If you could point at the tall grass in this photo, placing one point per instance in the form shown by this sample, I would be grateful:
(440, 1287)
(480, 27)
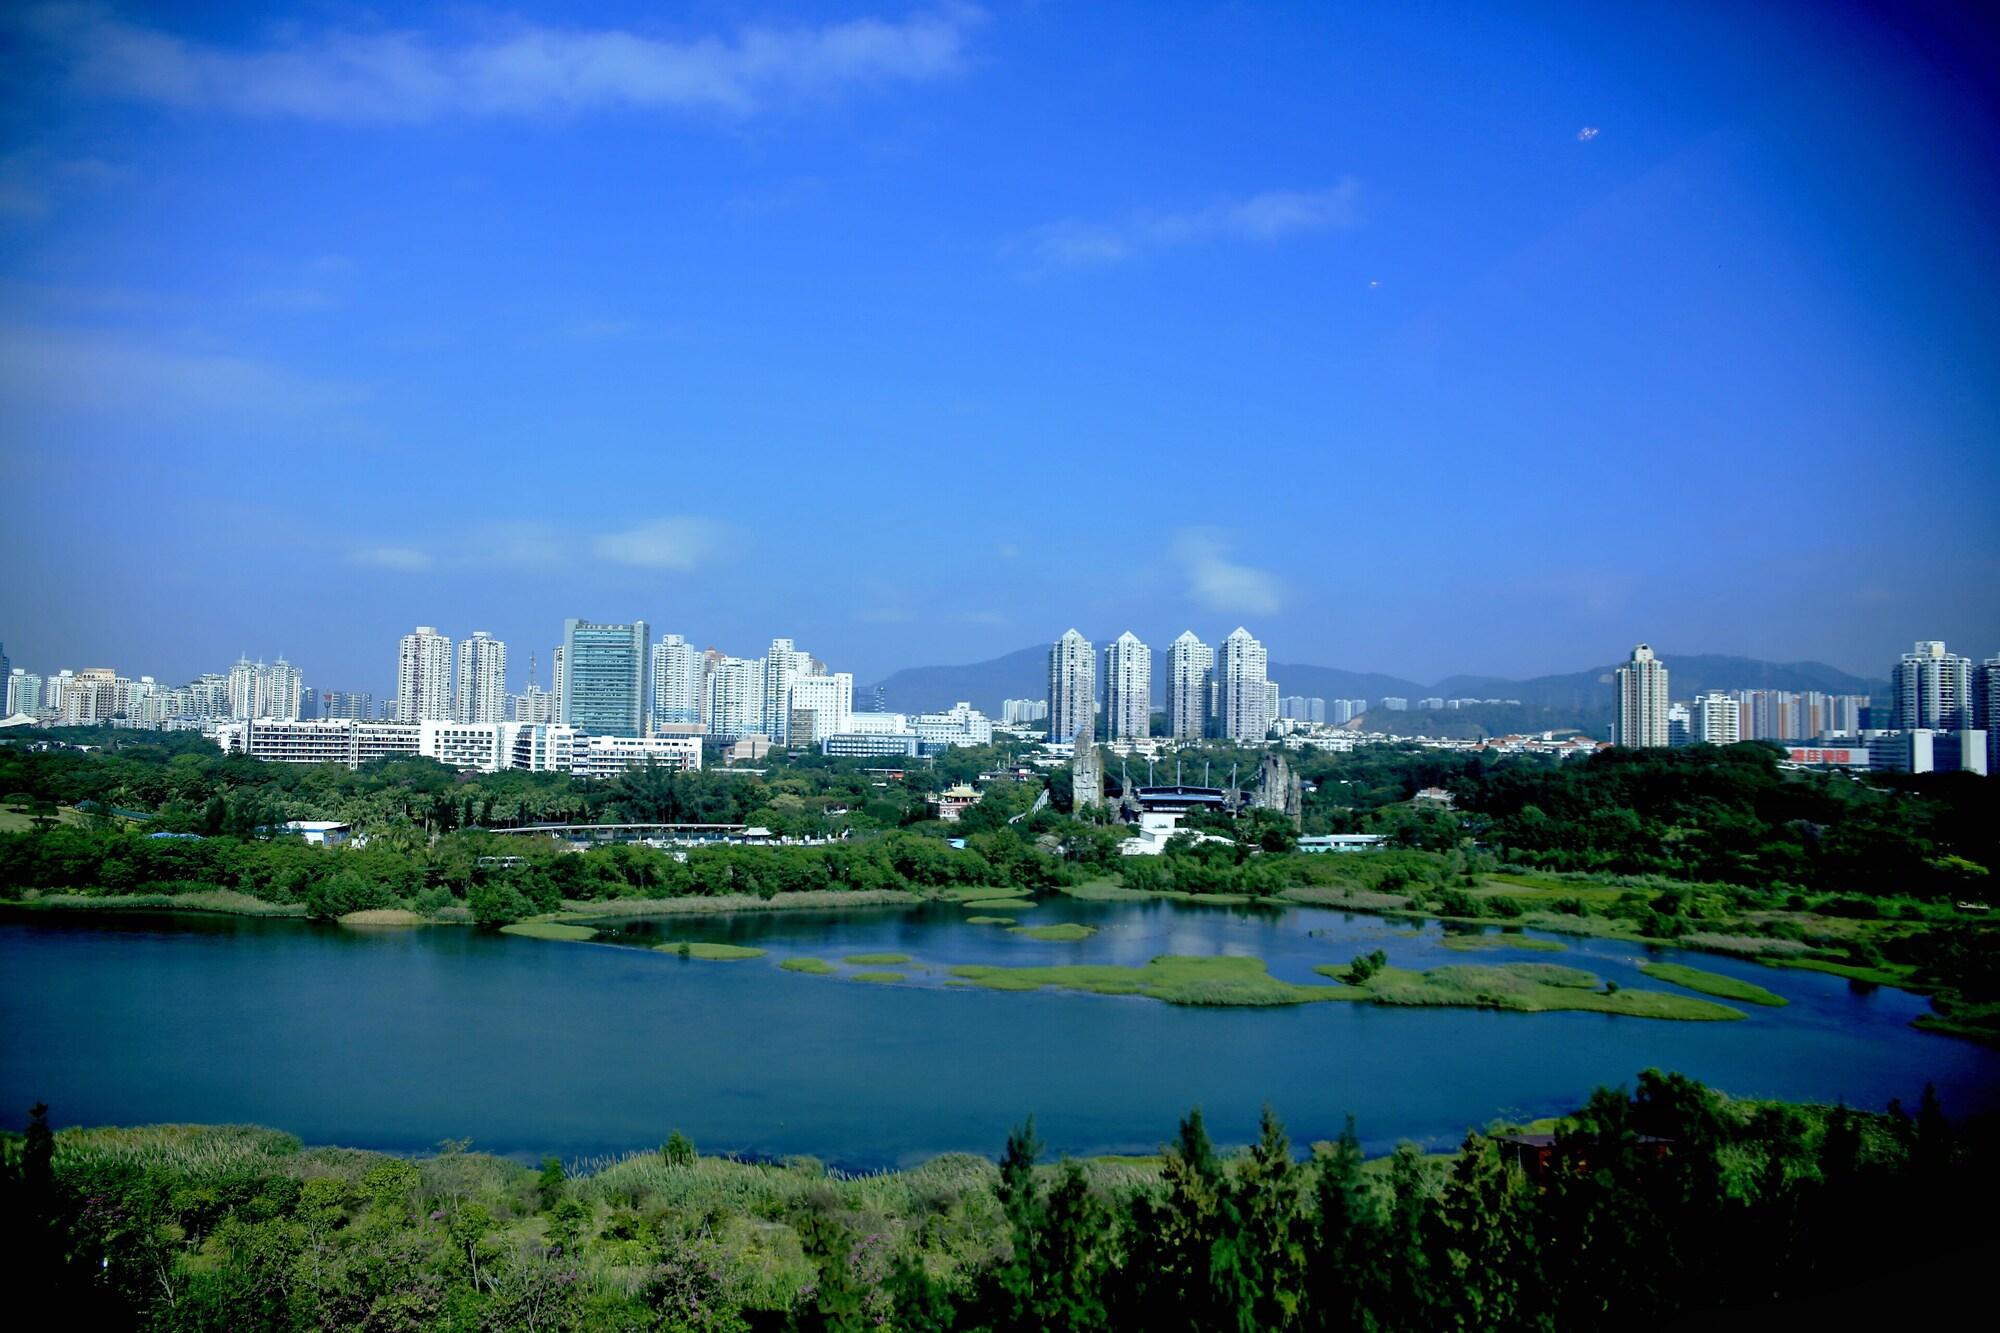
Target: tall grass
(199, 1152)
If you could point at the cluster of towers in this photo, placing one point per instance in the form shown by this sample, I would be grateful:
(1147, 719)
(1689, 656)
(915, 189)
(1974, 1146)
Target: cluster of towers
(1221, 692)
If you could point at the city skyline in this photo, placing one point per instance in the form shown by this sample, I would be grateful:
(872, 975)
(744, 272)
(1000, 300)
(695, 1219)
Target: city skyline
(619, 701)
(1422, 356)
(430, 652)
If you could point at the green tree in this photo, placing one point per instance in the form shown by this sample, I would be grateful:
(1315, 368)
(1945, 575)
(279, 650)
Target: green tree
(1345, 1255)
(550, 1184)
(678, 1150)
(836, 1300)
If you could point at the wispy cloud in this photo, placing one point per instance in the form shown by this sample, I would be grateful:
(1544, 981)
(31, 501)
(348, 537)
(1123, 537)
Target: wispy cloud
(390, 557)
(1219, 583)
(1260, 218)
(45, 372)
(31, 181)
(399, 75)
(679, 543)
(596, 330)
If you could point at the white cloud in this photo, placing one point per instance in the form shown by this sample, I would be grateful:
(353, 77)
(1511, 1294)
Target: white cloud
(676, 543)
(47, 372)
(390, 557)
(1260, 218)
(398, 75)
(1219, 583)
(679, 543)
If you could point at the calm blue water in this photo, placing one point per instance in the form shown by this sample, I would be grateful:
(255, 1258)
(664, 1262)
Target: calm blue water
(396, 1039)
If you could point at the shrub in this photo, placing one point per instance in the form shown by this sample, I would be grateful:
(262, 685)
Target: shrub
(1455, 902)
(1365, 966)
(343, 892)
(494, 903)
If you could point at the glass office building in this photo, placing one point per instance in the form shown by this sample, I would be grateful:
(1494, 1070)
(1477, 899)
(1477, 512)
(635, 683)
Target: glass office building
(604, 677)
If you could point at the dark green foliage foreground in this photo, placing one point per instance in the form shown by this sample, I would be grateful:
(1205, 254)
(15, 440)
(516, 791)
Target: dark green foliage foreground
(1664, 1205)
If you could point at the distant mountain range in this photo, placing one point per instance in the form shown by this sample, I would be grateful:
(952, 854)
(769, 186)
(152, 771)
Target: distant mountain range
(1587, 695)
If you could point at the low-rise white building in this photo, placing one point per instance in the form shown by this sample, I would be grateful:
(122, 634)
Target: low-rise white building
(1341, 842)
(870, 744)
(1155, 829)
(609, 756)
(329, 741)
(486, 747)
(961, 724)
(319, 832)
(474, 745)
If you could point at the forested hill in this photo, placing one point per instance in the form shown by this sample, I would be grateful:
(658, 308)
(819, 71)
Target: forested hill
(1581, 697)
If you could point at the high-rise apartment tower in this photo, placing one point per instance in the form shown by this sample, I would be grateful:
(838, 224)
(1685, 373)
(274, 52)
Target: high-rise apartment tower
(1242, 697)
(1128, 688)
(1191, 666)
(1933, 689)
(482, 679)
(1642, 701)
(423, 677)
(1072, 689)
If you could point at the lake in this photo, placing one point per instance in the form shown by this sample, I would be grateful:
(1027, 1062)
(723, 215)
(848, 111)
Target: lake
(396, 1039)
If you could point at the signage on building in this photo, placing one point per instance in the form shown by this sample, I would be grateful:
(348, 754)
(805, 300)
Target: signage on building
(1817, 755)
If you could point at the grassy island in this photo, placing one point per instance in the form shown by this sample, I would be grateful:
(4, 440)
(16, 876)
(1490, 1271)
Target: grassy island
(1481, 943)
(1066, 933)
(549, 930)
(714, 953)
(1712, 983)
(1530, 988)
(1231, 981)
(1177, 980)
(816, 967)
(875, 976)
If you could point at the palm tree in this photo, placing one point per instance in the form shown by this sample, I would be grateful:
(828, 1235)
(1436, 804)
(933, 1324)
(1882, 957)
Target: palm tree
(647, 795)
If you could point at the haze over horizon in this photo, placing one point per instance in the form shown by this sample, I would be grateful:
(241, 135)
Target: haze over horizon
(1420, 343)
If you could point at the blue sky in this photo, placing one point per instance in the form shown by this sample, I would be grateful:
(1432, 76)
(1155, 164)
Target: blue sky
(1419, 338)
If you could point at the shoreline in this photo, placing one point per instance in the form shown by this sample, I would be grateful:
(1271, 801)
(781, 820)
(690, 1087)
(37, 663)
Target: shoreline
(616, 909)
(1388, 906)
(228, 902)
